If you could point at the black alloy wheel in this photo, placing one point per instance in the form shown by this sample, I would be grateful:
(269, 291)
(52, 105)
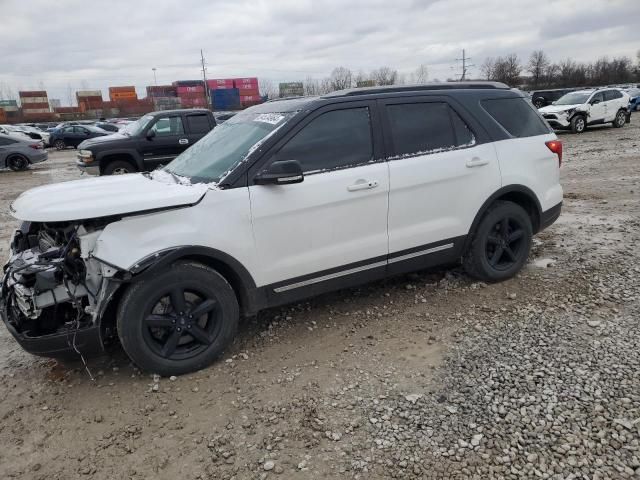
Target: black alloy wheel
(17, 163)
(182, 324)
(505, 243)
(59, 144)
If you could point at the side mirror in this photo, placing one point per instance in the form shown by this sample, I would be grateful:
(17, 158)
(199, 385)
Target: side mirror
(280, 173)
(594, 101)
(151, 133)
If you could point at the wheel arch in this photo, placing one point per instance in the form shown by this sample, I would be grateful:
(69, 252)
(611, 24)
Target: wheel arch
(111, 156)
(518, 194)
(249, 296)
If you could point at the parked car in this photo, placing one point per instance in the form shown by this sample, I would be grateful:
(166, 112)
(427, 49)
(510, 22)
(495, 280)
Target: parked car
(285, 200)
(577, 110)
(107, 127)
(155, 139)
(35, 134)
(18, 152)
(74, 135)
(634, 99)
(12, 130)
(542, 98)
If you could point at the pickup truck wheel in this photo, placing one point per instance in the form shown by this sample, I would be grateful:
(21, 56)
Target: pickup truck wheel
(578, 124)
(179, 320)
(119, 167)
(59, 144)
(17, 163)
(620, 120)
(501, 243)
(538, 103)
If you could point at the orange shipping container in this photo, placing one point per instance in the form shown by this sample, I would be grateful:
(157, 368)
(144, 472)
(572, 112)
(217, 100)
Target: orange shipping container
(122, 95)
(121, 89)
(3, 116)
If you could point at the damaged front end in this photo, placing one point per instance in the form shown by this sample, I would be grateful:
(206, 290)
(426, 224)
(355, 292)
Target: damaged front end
(53, 293)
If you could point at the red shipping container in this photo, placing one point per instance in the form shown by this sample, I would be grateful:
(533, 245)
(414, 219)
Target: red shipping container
(193, 102)
(182, 90)
(244, 90)
(220, 83)
(250, 81)
(191, 95)
(32, 93)
(33, 106)
(250, 98)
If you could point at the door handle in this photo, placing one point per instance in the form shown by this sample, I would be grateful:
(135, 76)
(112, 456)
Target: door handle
(476, 162)
(183, 141)
(363, 184)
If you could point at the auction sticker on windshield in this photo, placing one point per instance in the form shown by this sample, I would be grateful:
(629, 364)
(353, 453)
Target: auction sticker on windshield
(272, 118)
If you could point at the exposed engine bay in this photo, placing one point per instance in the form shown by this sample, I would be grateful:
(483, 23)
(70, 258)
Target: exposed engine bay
(51, 284)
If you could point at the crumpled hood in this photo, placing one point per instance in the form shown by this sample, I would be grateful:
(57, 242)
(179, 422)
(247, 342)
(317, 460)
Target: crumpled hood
(102, 197)
(557, 108)
(106, 138)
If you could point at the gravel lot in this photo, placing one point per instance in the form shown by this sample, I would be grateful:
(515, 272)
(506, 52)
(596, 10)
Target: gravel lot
(424, 376)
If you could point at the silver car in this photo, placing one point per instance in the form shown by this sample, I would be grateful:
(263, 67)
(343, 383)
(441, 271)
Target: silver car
(18, 152)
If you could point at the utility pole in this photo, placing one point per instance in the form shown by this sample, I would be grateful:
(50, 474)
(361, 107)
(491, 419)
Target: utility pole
(204, 77)
(465, 65)
(155, 80)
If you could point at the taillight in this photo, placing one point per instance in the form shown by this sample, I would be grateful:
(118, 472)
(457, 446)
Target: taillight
(556, 147)
(36, 146)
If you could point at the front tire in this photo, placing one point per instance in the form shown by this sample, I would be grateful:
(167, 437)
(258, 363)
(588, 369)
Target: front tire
(578, 124)
(620, 120)
(501, 243)
(119, 167)
(179, 320)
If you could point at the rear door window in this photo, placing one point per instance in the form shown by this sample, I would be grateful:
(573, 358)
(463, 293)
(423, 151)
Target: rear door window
(611, 95)
(419, 128)
(198, 123)
(516, 116)
(335, 139)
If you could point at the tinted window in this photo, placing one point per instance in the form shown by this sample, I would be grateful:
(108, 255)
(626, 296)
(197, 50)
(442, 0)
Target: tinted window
(168, 126)
(464, 136)
(337, 139)
(198, 123)
(80, 130)
(611, 95)
(68, 129)
(420, 127)
(516, 116)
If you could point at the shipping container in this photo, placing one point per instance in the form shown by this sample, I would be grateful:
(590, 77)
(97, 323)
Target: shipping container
(161, 91)
(188, 83)
(8, 103)
(122, 89)
(249, 82)
(366, 83)
(250, 98)
(35, 106)
(35, 111)
(193, 102)
(67, 110)
(32, 93)
(183, 90)
(249, 91)
(89, 93)
(220, 83)
(3, 116)
(122, 95)
(10, 109)
(29, 100)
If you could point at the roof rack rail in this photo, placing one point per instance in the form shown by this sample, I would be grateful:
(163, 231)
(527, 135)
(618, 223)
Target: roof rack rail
(421, 87)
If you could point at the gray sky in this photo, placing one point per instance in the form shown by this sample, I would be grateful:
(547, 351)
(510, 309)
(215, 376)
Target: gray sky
(97, 44)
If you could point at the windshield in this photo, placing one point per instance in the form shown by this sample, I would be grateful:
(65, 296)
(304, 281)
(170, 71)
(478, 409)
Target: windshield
(226, 146)
(573, 99)
(137, 127)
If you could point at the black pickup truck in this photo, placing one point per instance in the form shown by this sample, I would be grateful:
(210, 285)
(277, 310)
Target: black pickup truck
(155, 139)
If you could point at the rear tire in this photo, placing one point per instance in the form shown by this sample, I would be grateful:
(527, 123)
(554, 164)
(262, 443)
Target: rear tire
(59, 144)
(620, 120)
(538, 103)
(179, 320)
(578, 124)
(500, 244)
(119, 167)
(17, 163)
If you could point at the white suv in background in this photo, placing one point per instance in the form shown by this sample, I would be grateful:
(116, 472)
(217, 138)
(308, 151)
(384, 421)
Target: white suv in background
(577, 110)
(283, 201)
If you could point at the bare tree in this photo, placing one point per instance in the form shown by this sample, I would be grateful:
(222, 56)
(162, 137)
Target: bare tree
(341, 78)
(537, 66)
(384, 76)
(488, 68)
(507, 69)
(268, 88)
(420, 75)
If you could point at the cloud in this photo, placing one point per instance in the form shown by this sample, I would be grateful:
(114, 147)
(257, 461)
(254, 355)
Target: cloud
(118, 42)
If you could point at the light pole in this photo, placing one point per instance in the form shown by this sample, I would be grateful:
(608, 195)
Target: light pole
(155, 80)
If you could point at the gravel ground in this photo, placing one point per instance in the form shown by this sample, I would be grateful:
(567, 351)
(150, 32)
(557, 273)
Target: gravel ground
(429, 375)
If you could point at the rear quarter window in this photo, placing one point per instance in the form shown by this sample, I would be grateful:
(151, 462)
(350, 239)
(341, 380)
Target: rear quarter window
(516, 116)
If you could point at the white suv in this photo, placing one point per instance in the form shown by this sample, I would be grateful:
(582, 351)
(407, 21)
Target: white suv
(283, 201)
(577, 110)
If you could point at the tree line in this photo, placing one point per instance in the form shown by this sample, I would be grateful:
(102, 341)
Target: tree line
(541, 72)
